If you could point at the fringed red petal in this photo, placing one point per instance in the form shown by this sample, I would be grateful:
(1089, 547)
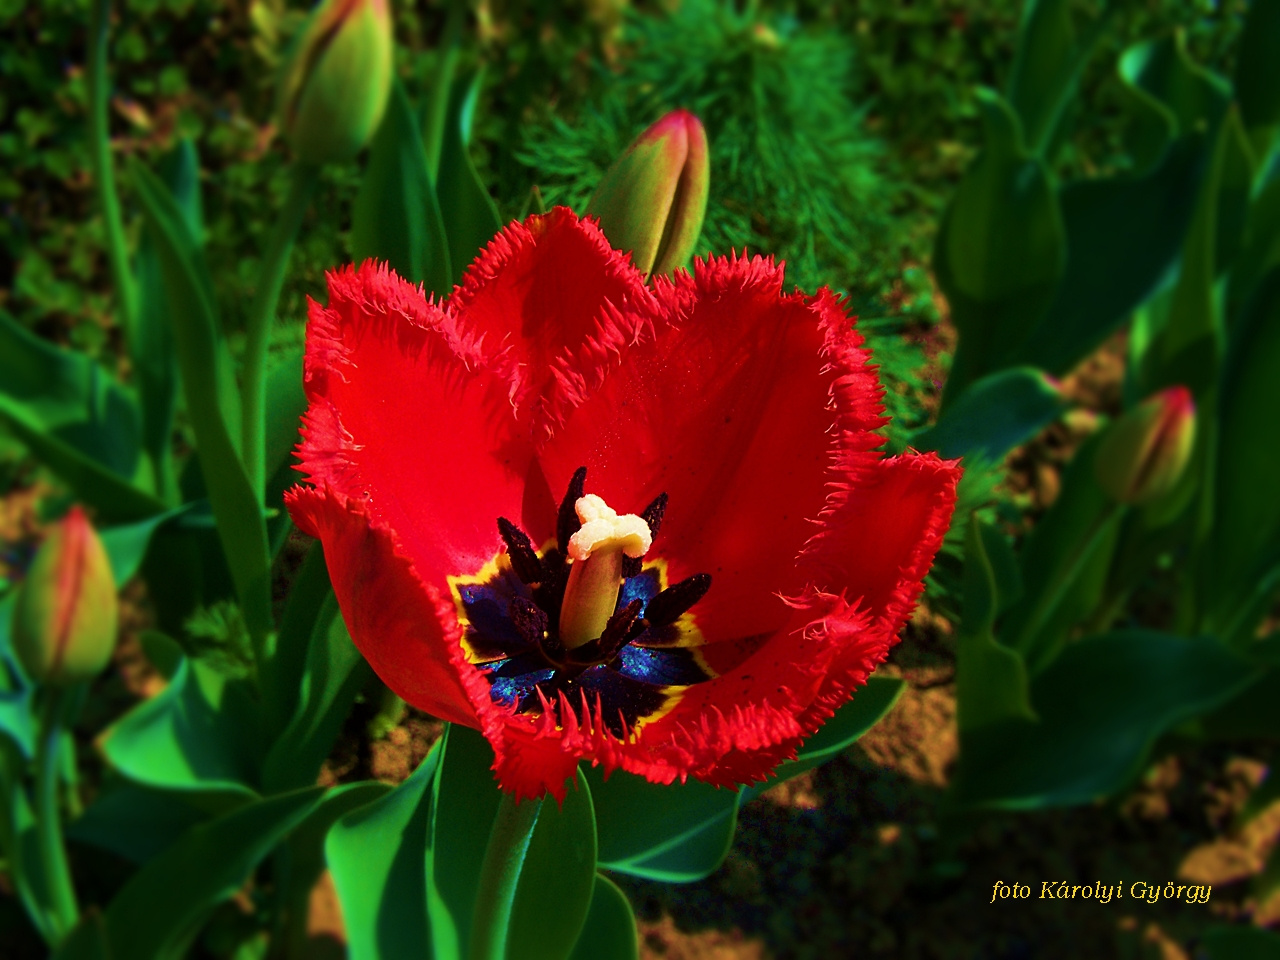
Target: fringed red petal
(405, 629)
(408, 418)
(562, 304)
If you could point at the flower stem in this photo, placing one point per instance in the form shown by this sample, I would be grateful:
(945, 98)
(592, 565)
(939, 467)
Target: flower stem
(261, 312)
(503, 861)
(64, 912)
(103, 173)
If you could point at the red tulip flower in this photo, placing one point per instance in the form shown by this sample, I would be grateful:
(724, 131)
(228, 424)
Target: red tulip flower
(644, 525)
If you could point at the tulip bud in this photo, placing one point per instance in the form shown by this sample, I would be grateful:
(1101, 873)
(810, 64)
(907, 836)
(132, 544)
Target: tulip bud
(337, 80)
(64, 619)
(652, 200)
(1143, 453)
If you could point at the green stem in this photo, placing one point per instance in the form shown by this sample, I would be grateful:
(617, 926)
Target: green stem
(103, 172)
(261, 312)
(499, 874)
(64, 912)
(1051, 599)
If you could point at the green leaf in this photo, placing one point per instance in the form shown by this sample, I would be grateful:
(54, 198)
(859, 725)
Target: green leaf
(1046, 68)
(1064, 563)
(466, 802)
(396, 216)
(470, 216)
(160, 911)
(307, 613)
(1101, 705)
(199, 734)
(842, 729)
(1250, 714)
(610, 930)
(333, 675)
(127, 545)
(88, 941)
(1001, 249)
(1240, 943)
(70, 396)
(286, 403)
(1260, 248)
(151, 341)
(205, 367)
(1192, 98)
(113, 499)
(303, 861)
(16, 719)
(135, 822)
(1188, 350)
(557, 879)
(1257, 79)
(697, 855)
(991, 679)
(636, 819)
(18, 838)
(1122, 235)
(1243, 544)
(379, 857)
(993, 415)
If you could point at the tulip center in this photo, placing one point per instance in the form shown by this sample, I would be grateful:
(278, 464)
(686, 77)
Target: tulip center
(587, 621)
(595, 576)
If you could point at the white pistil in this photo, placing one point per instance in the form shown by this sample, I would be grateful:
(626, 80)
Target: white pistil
(595, 576)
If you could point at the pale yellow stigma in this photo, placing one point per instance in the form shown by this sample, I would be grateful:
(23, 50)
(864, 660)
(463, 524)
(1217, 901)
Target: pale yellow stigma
(595, 576)
(603, 529)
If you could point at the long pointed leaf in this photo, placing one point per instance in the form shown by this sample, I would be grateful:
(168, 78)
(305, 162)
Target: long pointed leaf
(397, 217)
(241, 526)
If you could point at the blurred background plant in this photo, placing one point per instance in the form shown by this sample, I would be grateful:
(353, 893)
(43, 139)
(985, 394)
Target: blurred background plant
(1030, 265)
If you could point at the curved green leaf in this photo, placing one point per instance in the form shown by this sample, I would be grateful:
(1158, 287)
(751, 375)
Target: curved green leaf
(466, 802)
(135, 822)
(993, 415)
(610, 930)
(199, 734)
(379, 857)
(333, 675)
(636, 819)
(991, 679)
(114, 498)
(1122, 235)
(70, 396)
(161, 909)
(557, 878)
(1000, 250)
(1102, 703)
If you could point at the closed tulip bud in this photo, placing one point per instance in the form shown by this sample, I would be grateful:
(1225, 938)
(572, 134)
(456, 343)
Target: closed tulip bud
(652, 200)
(1143, 454)
(337, 79)
(64, 619)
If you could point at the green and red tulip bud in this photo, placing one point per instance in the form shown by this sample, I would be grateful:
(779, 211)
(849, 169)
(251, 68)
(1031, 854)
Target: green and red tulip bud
(1143, 454)
(652, 200)
(337, 79)
(64, 620)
